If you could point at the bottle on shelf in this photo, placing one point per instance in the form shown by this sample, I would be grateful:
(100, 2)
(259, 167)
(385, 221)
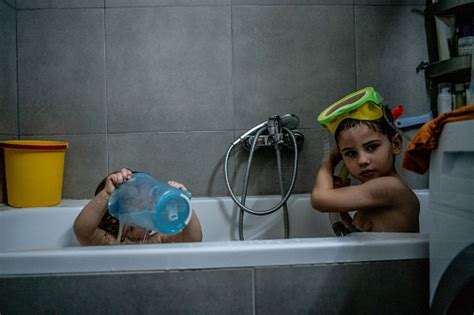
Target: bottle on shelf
(445, 103)
(459, 96)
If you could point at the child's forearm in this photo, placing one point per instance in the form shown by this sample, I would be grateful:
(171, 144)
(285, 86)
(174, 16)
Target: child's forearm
(194, 228)
(323, 183)
(87, 222)
(324, 178)
(191, 233)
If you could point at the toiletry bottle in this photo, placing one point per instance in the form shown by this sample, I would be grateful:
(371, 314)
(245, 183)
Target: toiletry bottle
(459, 96)
(445, 102)
(143, 201)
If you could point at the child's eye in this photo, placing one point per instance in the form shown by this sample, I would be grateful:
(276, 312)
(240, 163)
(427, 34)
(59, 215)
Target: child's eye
(372, 147)
(350, 153)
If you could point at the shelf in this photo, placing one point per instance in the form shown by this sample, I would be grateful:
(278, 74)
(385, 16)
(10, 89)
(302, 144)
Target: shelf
(454, 66)
(451, 7)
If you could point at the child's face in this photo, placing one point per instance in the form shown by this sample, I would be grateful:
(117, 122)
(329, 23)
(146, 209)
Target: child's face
(137, 234)
(367, 153)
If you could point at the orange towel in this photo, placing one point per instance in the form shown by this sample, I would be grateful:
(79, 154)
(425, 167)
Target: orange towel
(417, 155)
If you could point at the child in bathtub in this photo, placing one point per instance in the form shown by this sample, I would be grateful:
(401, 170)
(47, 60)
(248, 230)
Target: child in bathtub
(367, 144)
(95, 226)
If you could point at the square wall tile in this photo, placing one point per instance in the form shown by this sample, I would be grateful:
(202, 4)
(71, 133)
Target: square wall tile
(389, 2)
(172, 292)
(147, 3)
(85, 163)
(390, 43)
(385, 287)
(32, 4)
(169, 69)
(61, 71)
(54, 4)
(192, 158)
(291, 59)
(292, 2)
(8, 82)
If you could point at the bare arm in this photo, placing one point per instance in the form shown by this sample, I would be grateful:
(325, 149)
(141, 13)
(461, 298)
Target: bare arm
(86, 224)
(192, 232)
(324, 180)
(374, 194)
(378, 193)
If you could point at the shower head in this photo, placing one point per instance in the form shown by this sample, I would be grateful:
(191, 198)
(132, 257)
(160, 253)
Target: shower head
(290, 121)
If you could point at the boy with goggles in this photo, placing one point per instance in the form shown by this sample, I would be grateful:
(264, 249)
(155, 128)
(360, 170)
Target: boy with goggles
(367, 143)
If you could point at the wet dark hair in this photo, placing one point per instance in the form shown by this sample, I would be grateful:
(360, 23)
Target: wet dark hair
(383, 124)
(108, 223)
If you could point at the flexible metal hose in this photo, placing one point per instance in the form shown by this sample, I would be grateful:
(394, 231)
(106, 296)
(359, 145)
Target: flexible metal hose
(246, 182)
(286, 220)
(247, 175)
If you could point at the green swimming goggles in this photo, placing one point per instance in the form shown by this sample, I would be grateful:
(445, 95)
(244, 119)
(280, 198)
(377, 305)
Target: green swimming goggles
(365, 104)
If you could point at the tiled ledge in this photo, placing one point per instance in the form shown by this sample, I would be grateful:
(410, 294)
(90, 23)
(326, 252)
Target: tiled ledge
(60, 4)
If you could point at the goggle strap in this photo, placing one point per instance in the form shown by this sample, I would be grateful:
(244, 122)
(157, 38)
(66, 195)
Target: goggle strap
(392, 124)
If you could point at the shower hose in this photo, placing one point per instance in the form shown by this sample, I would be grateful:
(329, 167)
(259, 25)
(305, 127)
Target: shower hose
(284, 195)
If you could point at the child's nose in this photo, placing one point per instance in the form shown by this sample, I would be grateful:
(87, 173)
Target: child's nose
(364, 159)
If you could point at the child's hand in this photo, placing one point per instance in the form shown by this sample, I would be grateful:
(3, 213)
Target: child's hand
(177, 185)
(116, 179)
(335, 156)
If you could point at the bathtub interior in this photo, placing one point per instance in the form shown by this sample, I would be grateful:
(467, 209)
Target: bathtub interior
(36, 229)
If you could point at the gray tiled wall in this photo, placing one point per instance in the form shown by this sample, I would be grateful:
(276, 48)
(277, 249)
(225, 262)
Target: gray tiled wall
(8, 81)
(165, 86)
(382, 287)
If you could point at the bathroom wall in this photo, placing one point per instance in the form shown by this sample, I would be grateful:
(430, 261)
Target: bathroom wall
(165, 86)
(8, 81)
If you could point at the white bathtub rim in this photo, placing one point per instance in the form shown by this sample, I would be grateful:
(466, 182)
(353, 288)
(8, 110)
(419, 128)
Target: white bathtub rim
(358, 247)
(82, 202)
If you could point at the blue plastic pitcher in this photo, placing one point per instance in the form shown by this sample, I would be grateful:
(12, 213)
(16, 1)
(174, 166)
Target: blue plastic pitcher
(143, 201)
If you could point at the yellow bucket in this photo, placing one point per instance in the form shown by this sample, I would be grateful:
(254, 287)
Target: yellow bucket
(34, 172)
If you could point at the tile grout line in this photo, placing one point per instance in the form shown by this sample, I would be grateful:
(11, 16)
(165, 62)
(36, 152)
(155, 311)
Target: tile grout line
(355, 46)
(105, 92)
(254, 290)
(234, 172)
(17, 78)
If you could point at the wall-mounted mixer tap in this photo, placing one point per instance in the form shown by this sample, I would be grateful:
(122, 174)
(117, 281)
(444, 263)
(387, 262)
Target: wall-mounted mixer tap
(277, 132)
(274, 133)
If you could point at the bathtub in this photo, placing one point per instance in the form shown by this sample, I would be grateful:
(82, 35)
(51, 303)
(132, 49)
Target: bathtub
(38, 247)
(41, 240)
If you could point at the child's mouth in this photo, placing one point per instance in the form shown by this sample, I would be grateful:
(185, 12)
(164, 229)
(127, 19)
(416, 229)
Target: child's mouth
(367, 173)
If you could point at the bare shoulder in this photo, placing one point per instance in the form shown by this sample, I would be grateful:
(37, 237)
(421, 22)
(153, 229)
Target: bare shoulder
(398, 191)
(392, 189)
(398, 209)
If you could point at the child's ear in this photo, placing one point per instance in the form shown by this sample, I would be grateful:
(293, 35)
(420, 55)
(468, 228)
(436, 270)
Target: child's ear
(397, 143)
